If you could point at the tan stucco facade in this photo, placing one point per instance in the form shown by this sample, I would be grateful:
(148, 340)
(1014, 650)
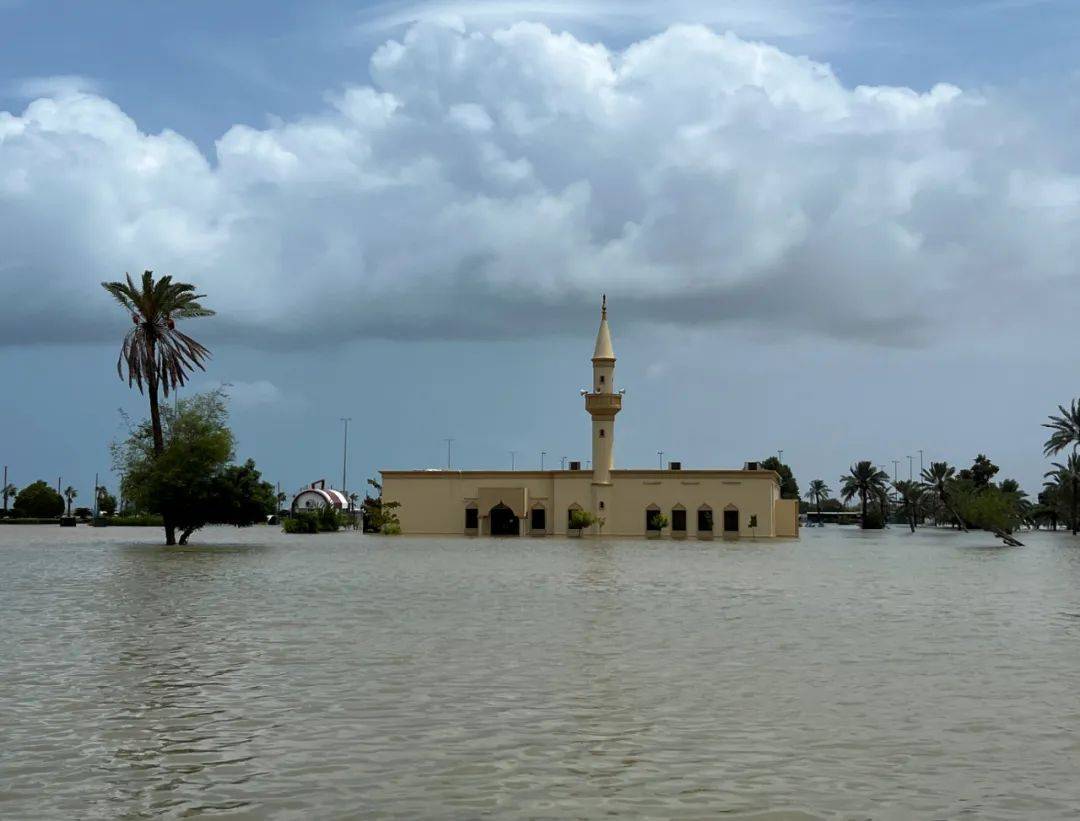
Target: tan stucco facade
(739, 503)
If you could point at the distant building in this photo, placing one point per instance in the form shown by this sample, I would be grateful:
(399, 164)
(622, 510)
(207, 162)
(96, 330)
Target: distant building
(319, 496)
(699, 504)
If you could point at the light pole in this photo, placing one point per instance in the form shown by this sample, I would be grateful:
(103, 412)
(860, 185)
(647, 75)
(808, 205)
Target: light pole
(921, 468)
(345, 462)
(543, 453)
(660, 453)
(449, 442)
(895, 468)
(513, 459)
(909, 469)
(780, 456)
(563, 463)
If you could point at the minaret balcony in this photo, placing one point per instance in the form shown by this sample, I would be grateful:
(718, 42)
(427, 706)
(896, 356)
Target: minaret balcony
(603, 405)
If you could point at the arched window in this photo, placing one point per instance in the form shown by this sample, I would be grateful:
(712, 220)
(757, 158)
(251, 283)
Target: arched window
(678, 519)
(704, 519)
(731, 519)
(652, 519)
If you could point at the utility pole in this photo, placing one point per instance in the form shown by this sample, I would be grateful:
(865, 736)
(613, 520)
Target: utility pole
(345, 462)
(660, 453)
(449, 443)
(543, 453)
(513, 460)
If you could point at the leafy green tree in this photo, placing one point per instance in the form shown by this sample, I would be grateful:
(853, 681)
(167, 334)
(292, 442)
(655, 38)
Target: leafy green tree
(865, 481)
(789, 488)
(38, 501)
(106, 502)
(380, 515)
(818, 493)
(70, 493)
(240, 497)
(911, 494)
(981, 472)
(1066, 433)
(154, 353)
(192, 477)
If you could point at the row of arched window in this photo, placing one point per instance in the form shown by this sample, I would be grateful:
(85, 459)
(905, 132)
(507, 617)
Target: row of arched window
(678, 520)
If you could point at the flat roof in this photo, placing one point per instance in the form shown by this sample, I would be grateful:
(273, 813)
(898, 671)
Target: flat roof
(544, 474)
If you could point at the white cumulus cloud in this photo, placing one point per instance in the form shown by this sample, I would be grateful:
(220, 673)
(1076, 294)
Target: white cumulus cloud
(491, 184)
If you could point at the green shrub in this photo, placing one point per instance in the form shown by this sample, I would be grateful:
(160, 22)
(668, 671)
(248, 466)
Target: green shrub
(581, 519)
(658, 522)
(303, 521)
(391, 529)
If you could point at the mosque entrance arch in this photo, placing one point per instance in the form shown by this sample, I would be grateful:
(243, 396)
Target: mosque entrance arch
(503, 521)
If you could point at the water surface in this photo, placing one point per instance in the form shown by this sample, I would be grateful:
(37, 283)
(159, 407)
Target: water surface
(258, 675)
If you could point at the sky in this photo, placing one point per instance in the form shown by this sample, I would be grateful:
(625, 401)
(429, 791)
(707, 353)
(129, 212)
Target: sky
(843, 229)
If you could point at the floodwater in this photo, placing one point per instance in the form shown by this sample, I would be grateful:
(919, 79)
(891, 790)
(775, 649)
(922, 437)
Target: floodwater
(256, 675)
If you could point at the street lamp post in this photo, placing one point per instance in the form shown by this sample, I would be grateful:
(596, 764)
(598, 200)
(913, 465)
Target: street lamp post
(513, 459)
(921, 468)
(660, 453)
(909, 470)
(563, 463)
(449, 443)
(543, 453)
(780, 456)
(345, 462)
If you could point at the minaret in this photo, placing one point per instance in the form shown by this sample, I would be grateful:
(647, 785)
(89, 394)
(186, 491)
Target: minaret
(602, 405)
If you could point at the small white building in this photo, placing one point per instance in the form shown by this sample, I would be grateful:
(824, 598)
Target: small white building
(319, 496)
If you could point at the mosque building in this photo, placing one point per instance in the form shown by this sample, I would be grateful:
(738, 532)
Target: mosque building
(675, 503)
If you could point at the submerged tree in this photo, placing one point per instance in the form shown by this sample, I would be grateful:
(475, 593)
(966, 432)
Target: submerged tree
(70, 493)
(818, 493)
(938, 478)
(154, 354)
(9, 491)
(789, 488)
(192, 477)
(1064, 482)
(863, 480)
(911, 494)
(1066, 433)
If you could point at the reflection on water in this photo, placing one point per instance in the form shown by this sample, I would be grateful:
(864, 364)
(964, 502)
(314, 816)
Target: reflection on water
(848, 675)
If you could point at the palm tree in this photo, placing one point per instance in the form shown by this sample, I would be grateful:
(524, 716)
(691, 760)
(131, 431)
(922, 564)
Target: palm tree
(1065, 479)
(937, 478)
(154, 353)
(70, 493)
(912, 494)
(818, 493)
(863, 480)
(1066, 432)
(9, 492)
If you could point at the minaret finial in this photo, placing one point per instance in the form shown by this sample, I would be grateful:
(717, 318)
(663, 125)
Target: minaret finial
(603, 306)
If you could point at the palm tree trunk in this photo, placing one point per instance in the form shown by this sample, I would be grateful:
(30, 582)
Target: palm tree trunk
(159, 448)
(862, 496)
(819, 510)
(1074, 505)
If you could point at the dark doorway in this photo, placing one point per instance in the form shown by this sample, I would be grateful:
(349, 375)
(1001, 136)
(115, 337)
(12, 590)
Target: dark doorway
(731, 521)
(504, 522)
(539, 519)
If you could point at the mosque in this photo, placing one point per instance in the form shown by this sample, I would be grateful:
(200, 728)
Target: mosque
(656, 503)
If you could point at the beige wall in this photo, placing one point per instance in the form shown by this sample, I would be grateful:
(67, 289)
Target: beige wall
(433, 502)
(787, 518)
